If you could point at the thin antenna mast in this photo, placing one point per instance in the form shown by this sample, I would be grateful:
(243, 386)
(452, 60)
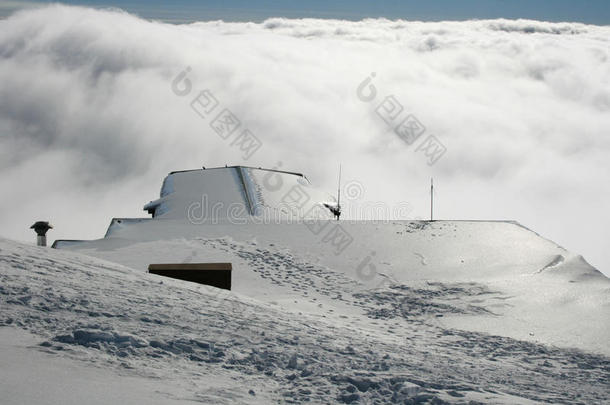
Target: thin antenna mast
(339, 189)
(431, 199)
(338, 210)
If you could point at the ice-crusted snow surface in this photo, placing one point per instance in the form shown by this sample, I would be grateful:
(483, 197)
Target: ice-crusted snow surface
(409, 312)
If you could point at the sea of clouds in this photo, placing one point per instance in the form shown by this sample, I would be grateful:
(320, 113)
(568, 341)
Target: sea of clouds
(92, 116)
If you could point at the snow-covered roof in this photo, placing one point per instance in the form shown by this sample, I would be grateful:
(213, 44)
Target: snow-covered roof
(236, 192)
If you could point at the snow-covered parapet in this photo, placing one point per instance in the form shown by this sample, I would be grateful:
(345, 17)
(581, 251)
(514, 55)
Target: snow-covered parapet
(237, 193)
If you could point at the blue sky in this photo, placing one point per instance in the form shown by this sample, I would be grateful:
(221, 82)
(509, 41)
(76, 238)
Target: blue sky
(587, 11)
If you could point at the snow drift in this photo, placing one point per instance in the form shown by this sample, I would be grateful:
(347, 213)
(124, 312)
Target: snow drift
(305, 325)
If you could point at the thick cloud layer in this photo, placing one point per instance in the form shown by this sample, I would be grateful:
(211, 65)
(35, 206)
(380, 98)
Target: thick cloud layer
(90, 121)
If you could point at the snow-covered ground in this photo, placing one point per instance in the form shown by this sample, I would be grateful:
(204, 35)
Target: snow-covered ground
(407, 312)
(31, 376)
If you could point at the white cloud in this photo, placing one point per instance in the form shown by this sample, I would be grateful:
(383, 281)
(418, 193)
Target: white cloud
(89, 124)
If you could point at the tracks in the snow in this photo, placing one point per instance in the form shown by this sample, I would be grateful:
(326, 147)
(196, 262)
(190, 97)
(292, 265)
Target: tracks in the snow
(103, 314)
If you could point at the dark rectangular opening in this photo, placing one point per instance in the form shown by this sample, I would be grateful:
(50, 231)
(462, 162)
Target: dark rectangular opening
(212, 274)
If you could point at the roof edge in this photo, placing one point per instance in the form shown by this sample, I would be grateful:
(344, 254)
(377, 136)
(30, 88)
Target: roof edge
(239, 167)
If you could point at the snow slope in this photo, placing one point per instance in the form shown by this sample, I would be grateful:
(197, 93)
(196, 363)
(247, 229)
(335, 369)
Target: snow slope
(408, 312)
(530, 288)
(31, 376)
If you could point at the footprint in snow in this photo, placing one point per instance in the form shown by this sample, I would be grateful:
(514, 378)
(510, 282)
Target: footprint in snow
(421, 258)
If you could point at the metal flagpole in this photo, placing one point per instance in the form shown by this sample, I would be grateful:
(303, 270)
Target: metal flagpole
(431, 199)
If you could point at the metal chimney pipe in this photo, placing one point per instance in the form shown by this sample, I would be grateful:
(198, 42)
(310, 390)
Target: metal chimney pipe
(41, 228)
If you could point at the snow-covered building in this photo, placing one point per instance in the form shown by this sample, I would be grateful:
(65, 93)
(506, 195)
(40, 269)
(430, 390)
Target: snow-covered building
(487, 308)
(249, 191)
(231, 194)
